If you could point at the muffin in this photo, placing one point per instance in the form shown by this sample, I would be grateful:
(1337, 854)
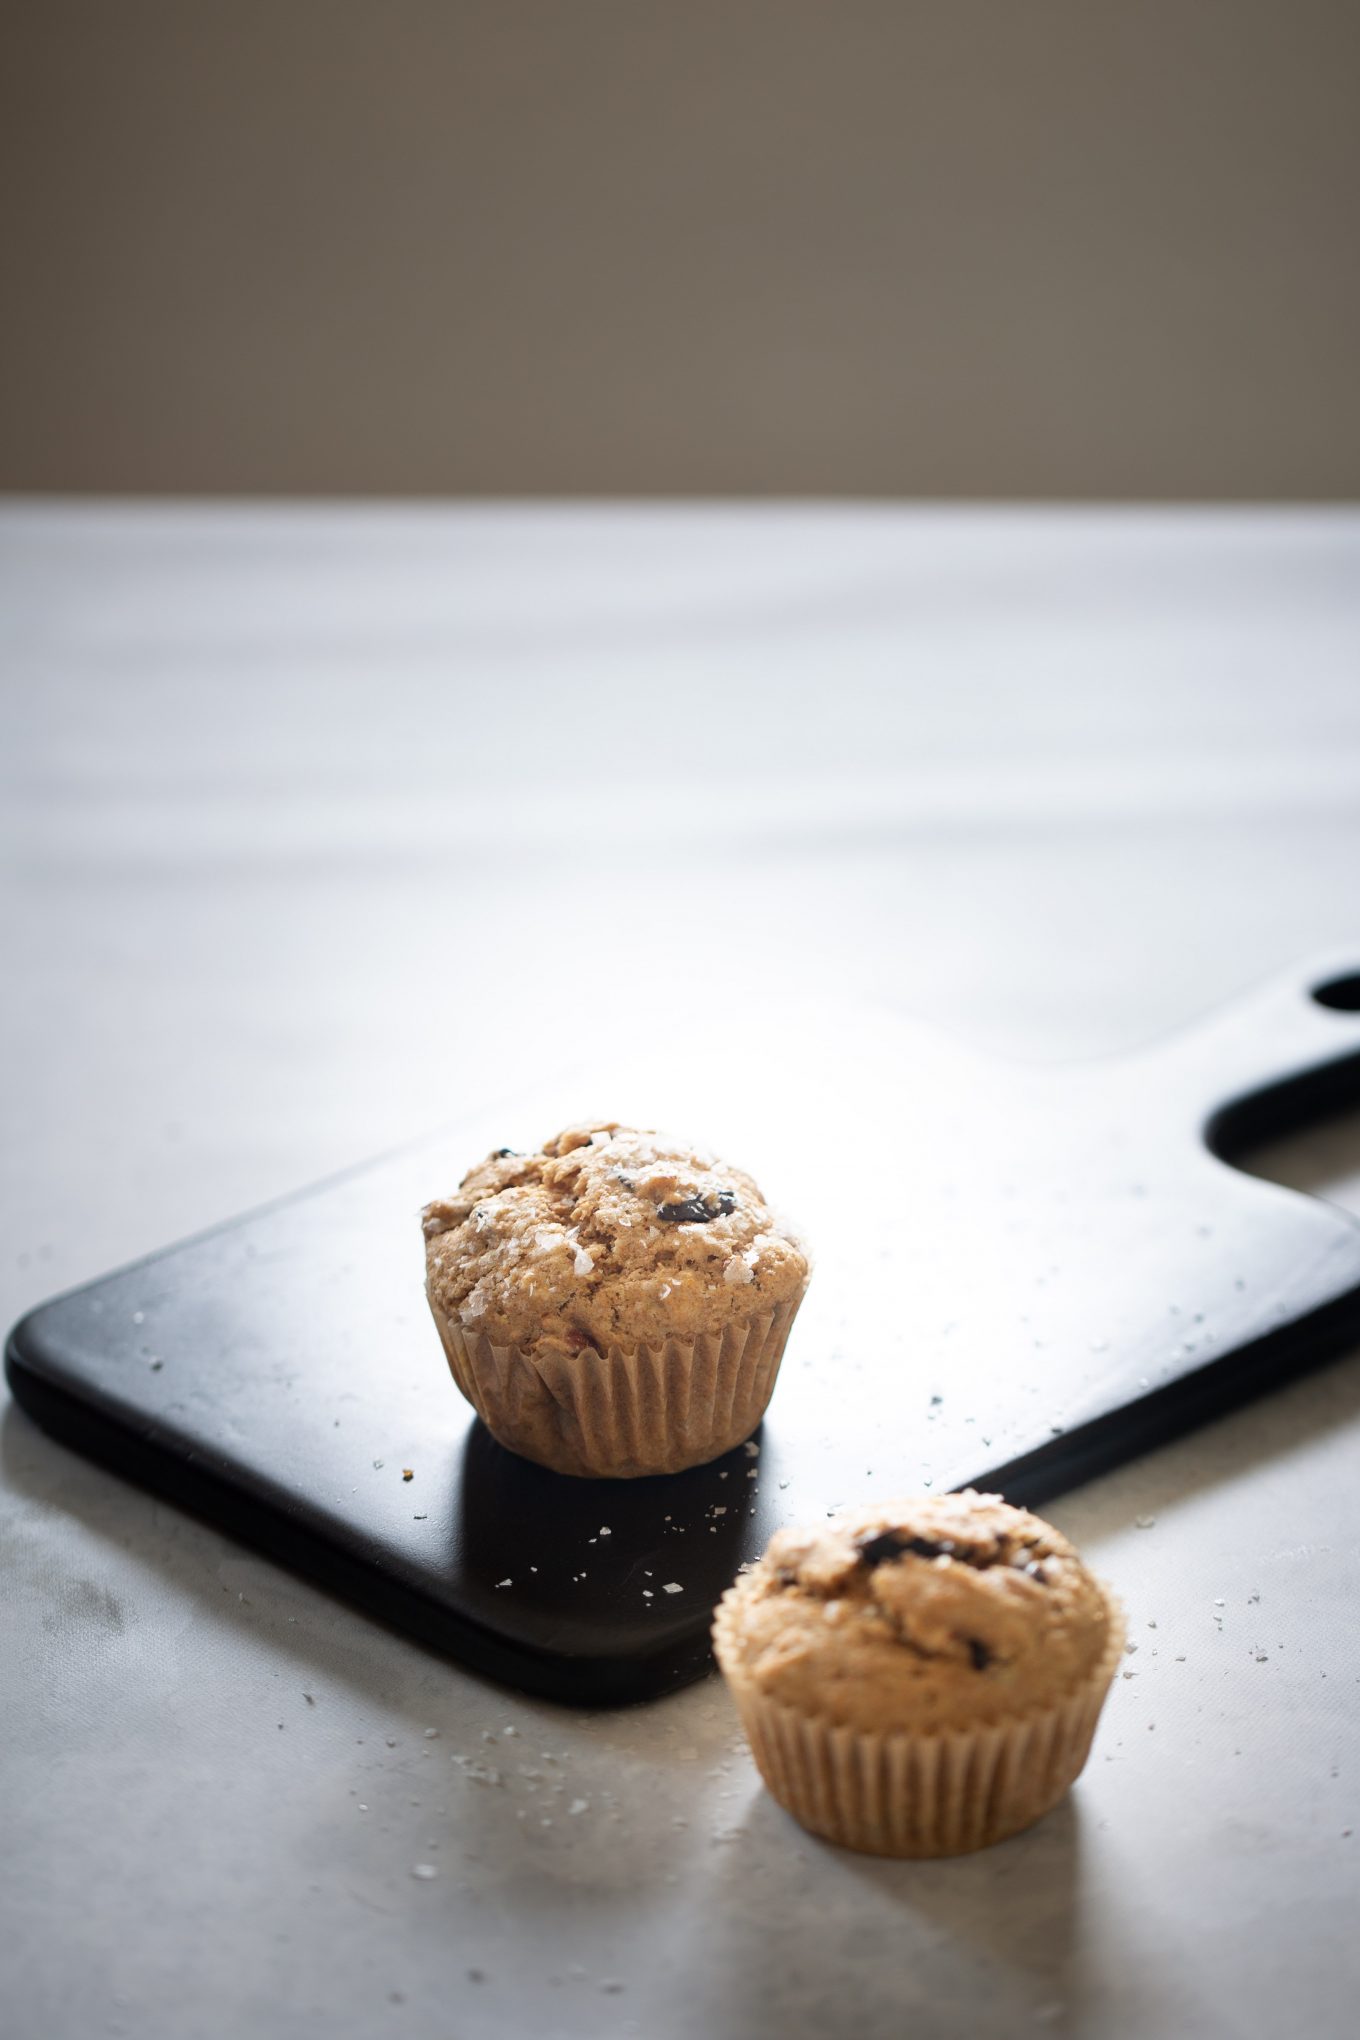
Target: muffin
(614, 1304)
(920, 1679)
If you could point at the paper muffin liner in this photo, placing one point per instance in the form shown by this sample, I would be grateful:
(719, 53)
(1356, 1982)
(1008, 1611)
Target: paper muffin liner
(937, 1793)
(629, 1410)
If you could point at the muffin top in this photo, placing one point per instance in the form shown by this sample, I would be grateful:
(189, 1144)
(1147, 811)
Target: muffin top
(606, 1236)
(950, 1611)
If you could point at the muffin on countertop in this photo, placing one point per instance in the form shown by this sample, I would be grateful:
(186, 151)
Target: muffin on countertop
(921, 1678)
(615, 1303)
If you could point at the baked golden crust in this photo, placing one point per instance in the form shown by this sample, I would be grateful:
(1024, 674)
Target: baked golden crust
(606, 1237)
(941, 1613)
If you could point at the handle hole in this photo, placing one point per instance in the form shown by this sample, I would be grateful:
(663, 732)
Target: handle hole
(1341, 994)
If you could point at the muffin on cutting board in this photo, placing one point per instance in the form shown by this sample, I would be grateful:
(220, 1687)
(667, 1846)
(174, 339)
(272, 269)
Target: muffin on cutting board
(615, 1303)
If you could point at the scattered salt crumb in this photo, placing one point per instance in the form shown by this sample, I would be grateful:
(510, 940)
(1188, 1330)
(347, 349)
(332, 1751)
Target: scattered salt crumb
(751, 1449)
(480, 1774)
(424, 1870)
(430, 1734)
(579, 1806)
(1144, 1522)
(505, 1583)
(583, 1265)
(647, 1594)
(605, 1530)
(672, 1587)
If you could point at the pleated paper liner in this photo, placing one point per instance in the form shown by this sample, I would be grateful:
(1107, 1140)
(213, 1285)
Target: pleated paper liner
(901, 1794)
(626, 1411)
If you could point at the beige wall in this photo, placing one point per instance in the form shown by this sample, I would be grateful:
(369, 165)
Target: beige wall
(978, 247)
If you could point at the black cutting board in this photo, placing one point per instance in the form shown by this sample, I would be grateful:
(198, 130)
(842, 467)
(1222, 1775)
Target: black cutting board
(1021, 1277)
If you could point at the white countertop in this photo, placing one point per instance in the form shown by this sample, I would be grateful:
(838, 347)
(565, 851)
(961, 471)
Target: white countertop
(313, 821)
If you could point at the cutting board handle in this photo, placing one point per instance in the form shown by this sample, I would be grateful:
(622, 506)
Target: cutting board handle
(1282, 1055)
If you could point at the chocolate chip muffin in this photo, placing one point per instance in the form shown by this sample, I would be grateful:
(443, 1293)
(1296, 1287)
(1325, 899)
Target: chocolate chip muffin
(614, 1303)
(920, 1679)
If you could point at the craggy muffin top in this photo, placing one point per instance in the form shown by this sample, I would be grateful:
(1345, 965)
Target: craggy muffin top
(945, 1612)
(606, 1236)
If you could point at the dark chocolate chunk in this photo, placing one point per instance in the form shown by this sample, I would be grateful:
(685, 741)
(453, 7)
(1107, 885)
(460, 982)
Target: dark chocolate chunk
(501, 1153)
(697, 1210)
(979, 1653)
(890, 1544)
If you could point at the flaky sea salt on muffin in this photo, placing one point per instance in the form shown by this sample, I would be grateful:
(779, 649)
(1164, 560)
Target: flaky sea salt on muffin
(920, 1679)
(614, 1304)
